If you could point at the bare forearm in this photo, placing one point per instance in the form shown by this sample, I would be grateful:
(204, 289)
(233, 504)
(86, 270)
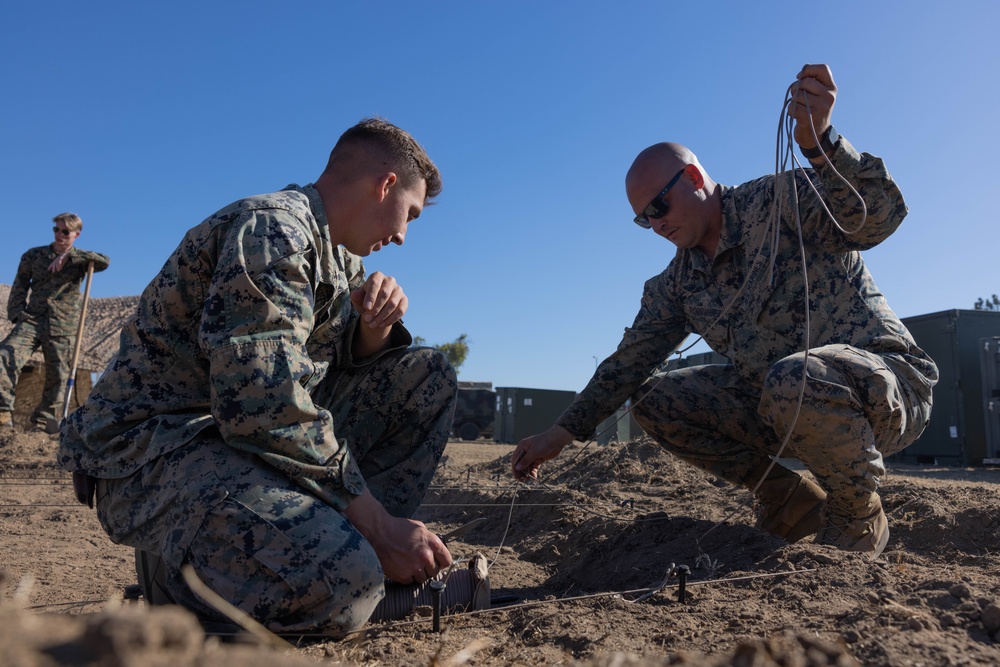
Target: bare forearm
(368, 341)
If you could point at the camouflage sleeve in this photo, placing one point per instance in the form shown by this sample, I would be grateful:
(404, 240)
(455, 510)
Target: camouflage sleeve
(257, 317)
(100, 261)
(17, 300)
(882, 213)
(658, 329)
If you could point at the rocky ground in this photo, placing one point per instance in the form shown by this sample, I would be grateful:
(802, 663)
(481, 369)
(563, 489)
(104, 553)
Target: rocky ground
(570, 558)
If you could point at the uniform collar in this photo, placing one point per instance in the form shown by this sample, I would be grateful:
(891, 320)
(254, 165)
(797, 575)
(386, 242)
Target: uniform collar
(730, 236)
(732, 232)
(330, 255)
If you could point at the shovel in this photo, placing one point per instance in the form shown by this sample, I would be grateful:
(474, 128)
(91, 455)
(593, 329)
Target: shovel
(51, 425)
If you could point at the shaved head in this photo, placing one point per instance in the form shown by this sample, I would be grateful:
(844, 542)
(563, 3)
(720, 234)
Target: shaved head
(686, 203)
(652, 168)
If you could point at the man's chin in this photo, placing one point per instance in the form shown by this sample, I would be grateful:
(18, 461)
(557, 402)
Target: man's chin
(363, 251)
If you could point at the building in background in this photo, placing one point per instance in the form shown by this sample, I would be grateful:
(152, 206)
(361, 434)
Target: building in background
(957, 432)
(521, 411)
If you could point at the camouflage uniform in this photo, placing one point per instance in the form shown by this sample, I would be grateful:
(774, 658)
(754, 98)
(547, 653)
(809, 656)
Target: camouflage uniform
(213, 430)
(48, 319)
(869, 385)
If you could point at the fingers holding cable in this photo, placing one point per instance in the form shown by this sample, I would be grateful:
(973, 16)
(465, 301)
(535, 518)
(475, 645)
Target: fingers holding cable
(534, 450)
(813, 96)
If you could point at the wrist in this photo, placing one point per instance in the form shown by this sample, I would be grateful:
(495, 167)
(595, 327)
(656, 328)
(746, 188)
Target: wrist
(369, 340)
(827, 144)
(367, 515)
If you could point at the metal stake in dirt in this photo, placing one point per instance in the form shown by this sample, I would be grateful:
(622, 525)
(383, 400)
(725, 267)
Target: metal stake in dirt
(437, 588)
(76, 351)
(682, 573)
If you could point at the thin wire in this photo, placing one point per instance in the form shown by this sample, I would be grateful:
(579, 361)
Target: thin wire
(49, 483)
(774, 217)
(537, 603)
(570, 504)
(606, 516)
(81, 603)
(510, 515)
(772, 231)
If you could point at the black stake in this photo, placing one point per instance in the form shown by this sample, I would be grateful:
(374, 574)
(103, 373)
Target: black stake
(682, 573)
(437, 588)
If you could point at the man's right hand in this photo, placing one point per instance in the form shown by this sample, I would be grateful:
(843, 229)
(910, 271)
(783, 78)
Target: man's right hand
(536, 449)
(59, 262)
(408, 552)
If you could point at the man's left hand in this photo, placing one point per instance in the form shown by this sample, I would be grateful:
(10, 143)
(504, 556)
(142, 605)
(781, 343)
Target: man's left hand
(816, 88)
(381, 303)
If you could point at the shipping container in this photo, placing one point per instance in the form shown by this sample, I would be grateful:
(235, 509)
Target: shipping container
(989, 351)
(956, 434)
(521, 411)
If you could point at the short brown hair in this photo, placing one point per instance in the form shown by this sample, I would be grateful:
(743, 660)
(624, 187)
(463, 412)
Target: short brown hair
(71, 221)
(400, 152)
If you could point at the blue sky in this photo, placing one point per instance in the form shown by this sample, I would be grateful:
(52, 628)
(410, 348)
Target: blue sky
(145, 117)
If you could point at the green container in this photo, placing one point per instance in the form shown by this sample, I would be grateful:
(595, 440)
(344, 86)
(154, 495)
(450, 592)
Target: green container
(989, 353)
(956, 434)
(522, 412)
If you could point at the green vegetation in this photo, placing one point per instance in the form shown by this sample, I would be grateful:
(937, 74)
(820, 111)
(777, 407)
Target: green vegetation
(455, 351)
(993, 303)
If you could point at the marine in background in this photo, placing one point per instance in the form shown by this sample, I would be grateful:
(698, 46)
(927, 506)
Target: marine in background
(44, 307)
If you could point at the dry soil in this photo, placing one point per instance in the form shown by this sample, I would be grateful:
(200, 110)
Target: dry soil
(570, 558)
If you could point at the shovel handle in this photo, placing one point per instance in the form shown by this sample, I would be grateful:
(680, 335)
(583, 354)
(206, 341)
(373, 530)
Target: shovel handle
(79, 340)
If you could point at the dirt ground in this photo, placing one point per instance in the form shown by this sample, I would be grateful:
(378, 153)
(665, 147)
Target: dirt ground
(569, 559)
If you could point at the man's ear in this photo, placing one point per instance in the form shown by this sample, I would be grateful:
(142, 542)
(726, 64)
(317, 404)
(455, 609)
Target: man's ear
(695, 175)
(385, 184)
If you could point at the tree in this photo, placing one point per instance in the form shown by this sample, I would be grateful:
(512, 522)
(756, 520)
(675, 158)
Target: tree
(455, 351)
(992, 303)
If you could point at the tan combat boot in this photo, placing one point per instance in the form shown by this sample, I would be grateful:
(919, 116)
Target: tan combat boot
(790, 506)
(856, 526)
(6, 422)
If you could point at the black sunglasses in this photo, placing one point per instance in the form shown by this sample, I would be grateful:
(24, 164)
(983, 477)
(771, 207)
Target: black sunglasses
(60, 230)
(657, 208)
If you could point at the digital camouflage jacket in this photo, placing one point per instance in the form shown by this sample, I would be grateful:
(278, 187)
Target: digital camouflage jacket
(764, 320)
(245, 317)
(41, 296)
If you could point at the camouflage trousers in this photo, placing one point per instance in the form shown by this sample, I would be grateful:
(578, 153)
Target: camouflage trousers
(278, 553)
(16, 350)
(855, 409)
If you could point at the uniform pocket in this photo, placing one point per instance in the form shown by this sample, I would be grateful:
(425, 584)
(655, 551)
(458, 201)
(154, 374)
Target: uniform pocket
(254, 563)
(878, 391)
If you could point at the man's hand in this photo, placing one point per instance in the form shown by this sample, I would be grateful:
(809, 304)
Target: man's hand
(381, 303)
(59, 262)
(536, 449)
(408, 552)
(815, 86)
(85, 488)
